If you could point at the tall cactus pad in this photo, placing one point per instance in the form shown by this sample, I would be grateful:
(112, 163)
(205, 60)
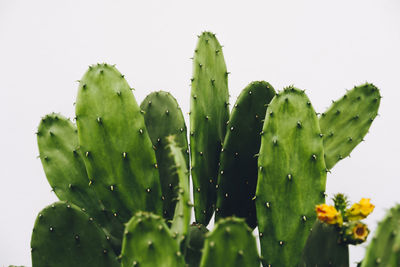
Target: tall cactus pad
(119, 155)
(208, 116)
(291, 177)
(230, 244)
(163, 117)
(148, 242)
(384, 249)
(65, 170)
(64, 235)
(323, 247)
(347, 121)
(237, 178)
(181, 220)
(194, 244)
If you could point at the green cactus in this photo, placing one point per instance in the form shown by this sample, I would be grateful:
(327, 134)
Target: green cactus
(194, 244)
(230, 244)
(291, 177)
(123, 161)
(324, 248)
(347, 121)
(181, 220)
(64, 235)
(65, 170)
(163, 117)
(209, 113)
(237, 178)
(119, 156)
(148, 242)
(384, 249)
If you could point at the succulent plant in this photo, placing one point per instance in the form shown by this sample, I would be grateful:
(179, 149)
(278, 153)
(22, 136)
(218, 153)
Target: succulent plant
(122, 173)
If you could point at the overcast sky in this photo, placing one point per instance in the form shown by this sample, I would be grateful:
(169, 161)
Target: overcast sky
(324, 47)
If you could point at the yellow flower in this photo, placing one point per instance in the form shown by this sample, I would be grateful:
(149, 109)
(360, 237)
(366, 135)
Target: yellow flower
(360, 210)
(328, 214)
(360, 232)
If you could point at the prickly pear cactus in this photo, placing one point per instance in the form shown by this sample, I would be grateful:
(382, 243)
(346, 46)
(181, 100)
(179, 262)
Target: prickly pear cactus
(384, 249)
(347, 121)
(324, 248)
(237, 177)
(230, 244)
(163, 117)
(209, 113)
(64, 235)
(118, 152)
(148, 242)
(65, 170)
(291, 177)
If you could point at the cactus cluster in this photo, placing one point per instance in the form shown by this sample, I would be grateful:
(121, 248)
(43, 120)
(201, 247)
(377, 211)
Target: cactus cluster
(122, 173)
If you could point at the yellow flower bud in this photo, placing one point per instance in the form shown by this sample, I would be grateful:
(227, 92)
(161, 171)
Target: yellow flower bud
(360, 232)
(356, 233)
(328, 214)
(360, 210)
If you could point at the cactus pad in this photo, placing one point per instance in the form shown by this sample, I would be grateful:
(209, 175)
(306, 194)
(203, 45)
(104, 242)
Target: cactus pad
(118, 152)
(384, 249)
(65, 170)
(181, 220)
(163, 117)
(208, 116)
(64, 235)
(323, 247)
(237, 177)
(291, 177)
(148, 242)
(230, 244)
(347, 121)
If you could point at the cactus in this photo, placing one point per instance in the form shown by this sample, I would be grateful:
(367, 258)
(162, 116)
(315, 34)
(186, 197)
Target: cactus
(208, 116)
(125, 165)
(324, 248)
(291, 177)
(194, 244)
(119, 156)
(63, 164)
(384, 249)
(64, 235)
(181, 220)
(230, 244)
(148, 242)
(237, 178)
(163, 117)
(347, 121)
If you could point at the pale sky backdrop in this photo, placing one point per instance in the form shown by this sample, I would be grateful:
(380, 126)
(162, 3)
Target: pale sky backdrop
(324, 47)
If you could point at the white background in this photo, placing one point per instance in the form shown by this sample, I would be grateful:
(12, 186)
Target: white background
(324, 47)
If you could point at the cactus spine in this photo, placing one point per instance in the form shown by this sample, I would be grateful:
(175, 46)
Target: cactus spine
(208, 116)
(291, 177)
